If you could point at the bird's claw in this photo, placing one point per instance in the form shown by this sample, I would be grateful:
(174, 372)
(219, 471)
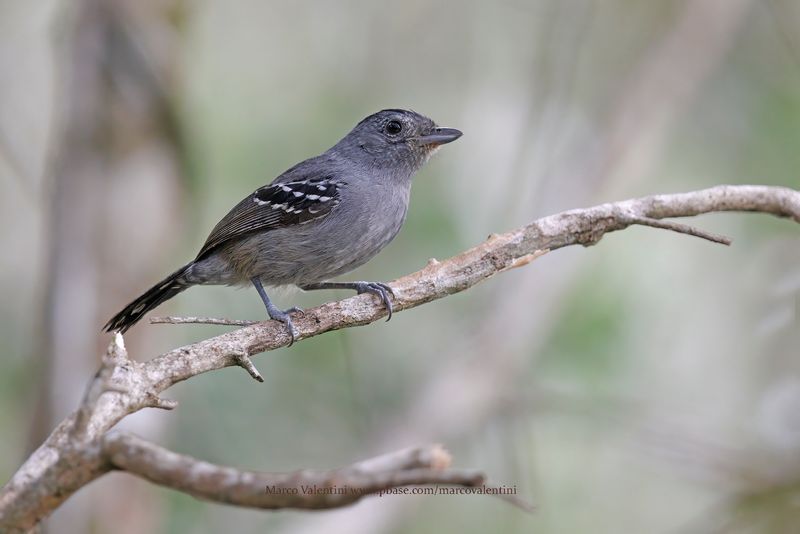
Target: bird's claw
(379, 289)
(285, 318)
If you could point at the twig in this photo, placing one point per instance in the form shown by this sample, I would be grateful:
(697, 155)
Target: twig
(243, 360)
(201, 320)
(681, 229)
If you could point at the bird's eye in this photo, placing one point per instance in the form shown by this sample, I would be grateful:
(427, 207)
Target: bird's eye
(393, 127)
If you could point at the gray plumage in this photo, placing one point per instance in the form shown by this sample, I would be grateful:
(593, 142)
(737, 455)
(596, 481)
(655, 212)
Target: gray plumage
(321, 218)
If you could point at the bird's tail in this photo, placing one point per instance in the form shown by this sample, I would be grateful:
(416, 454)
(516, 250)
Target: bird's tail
(162, 291)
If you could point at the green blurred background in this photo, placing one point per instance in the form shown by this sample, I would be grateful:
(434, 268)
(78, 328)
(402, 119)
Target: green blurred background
(647, 384)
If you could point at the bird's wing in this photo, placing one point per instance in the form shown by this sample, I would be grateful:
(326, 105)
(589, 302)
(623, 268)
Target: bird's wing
(278, 205)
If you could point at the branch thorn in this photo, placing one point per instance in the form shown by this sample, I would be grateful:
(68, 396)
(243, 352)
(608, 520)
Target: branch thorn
(243, 360)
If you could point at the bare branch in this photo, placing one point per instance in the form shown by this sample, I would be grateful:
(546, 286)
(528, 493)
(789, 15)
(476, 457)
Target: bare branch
(243, 360)
(115, 355)
(201, 320)
(681, 229)
(68, 460)
(304, 489)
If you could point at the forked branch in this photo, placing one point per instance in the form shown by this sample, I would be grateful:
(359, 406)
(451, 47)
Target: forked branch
(80, 448)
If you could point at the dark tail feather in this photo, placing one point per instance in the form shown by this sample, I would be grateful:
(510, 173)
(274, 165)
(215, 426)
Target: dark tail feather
(164, 290)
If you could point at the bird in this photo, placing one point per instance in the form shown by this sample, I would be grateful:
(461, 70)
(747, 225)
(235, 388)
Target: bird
(320, 219)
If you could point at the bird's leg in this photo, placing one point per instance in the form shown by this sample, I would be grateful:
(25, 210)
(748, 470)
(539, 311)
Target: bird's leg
(382, 291)
(274, 312)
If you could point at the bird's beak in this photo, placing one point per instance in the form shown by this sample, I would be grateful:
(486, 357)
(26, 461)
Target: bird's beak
(440, 136)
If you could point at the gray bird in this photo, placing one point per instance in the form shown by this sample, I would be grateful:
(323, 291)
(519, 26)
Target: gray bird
(321, 218)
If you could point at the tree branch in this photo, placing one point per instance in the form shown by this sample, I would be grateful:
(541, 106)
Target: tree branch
(201, 320)
(78, 450)
(304, 489)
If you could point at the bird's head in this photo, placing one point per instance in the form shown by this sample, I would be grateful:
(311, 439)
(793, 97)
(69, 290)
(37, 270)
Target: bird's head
(395, 140)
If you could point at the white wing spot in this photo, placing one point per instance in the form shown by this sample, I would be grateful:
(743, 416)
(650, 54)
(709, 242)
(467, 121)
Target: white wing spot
(312, 197)
(298, 194)
(286, 188)
(324, 199)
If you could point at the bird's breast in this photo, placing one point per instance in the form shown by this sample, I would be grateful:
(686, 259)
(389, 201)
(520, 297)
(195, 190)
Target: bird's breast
(368, 221)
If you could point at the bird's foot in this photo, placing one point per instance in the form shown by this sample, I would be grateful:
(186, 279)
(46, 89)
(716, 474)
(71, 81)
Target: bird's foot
(379, 289)
(284, 316)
